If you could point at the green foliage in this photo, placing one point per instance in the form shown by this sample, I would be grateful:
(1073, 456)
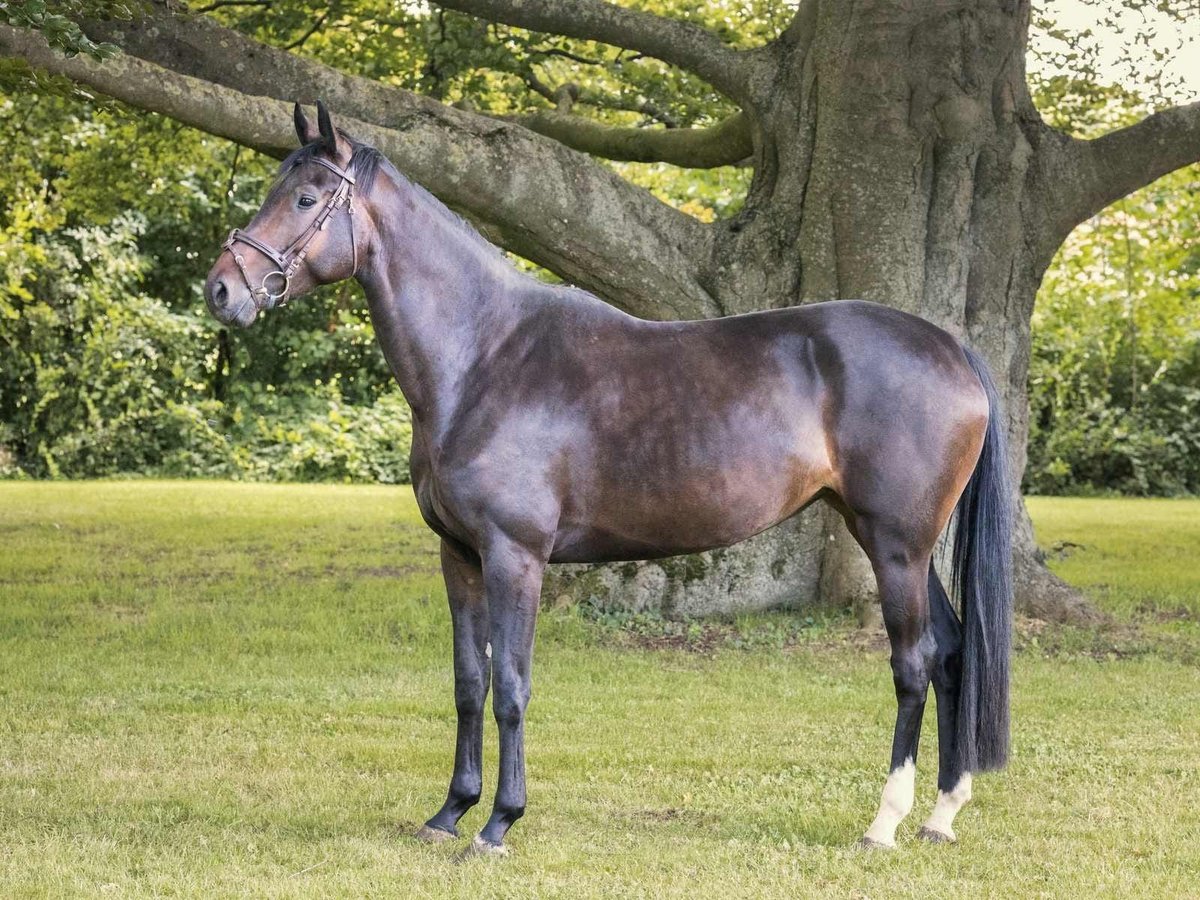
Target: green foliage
(1145, 45)
(88, 361)
(1115, 368)
(55, 20)
(318, 436)
(109, 363)
(97, 378)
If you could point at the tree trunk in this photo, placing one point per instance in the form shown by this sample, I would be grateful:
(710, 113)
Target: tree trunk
(892, 165)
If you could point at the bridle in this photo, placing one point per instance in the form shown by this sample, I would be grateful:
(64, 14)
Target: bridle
(288, 262)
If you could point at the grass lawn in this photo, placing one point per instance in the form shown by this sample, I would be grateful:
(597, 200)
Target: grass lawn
(211, 689)
(1138, 558)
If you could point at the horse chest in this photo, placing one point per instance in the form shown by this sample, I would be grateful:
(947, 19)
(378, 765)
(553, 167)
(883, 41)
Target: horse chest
(431, 489)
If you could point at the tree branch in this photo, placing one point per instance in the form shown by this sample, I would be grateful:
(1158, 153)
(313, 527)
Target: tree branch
(567, 54)
(643, 107)
(592, 98)
(313, 29)
(534, 196)
(673, 41)
(220, 4)
(803, 27)
(202, 48)
(726, 143)
(1083, 177)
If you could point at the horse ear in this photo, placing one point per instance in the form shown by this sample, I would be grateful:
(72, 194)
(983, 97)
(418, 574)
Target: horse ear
(325, 124)
(304, 130)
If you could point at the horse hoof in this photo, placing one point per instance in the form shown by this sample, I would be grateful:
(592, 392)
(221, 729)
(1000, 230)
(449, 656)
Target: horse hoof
(935, 837)
(480, 847)
(429, 835)
(866, 843)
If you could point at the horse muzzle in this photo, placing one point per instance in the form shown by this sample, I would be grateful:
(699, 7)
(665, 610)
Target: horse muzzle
(229, 300)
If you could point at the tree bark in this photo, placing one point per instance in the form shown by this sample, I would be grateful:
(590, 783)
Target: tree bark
(897, 157)
(898, 163)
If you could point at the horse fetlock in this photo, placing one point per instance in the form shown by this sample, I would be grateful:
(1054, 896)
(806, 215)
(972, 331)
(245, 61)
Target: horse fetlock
(464, 797)
(508, 813)
(941, 820)
(894, 805)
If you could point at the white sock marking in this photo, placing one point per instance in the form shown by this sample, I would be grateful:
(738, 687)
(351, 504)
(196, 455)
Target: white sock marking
(894, 805)
(947, 807)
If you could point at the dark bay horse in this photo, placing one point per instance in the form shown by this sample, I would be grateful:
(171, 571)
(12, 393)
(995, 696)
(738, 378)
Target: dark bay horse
(550, 427)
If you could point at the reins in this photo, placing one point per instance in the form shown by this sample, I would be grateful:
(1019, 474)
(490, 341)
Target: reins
(288, 261)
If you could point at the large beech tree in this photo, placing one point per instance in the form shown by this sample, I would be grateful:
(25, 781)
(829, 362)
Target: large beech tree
(897, 156)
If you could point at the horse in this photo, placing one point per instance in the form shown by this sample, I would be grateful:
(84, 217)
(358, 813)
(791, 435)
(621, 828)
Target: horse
(551, 427)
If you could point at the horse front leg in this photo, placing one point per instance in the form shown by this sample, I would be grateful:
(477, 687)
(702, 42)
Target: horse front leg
(469, 614)
(513, 581)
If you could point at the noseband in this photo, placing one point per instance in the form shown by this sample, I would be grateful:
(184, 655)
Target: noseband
(288, 262)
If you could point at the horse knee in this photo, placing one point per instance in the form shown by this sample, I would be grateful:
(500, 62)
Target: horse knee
(910, 674)
(470, 696)
(509, 705)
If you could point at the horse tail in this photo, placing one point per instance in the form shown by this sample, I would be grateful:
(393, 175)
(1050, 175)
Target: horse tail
(982, 578)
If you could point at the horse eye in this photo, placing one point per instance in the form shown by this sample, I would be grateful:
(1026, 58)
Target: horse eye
(306, 202)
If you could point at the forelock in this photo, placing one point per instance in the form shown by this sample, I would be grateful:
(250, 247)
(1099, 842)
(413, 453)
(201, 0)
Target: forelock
(364, 161)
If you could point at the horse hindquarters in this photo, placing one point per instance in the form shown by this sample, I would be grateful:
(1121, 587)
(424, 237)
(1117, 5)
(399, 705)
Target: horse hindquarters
(897, 504)
(974, 733)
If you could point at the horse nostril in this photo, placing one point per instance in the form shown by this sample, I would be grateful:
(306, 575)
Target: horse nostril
(220, 294)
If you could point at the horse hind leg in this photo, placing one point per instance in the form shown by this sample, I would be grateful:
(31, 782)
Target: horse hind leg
(954, 785)
(900, 570)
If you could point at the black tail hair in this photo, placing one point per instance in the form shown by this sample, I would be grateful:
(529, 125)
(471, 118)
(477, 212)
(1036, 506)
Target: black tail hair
(983, 581)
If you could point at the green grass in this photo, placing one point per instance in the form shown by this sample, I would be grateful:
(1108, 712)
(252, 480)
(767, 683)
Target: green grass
(212, 689)
(1137, 557)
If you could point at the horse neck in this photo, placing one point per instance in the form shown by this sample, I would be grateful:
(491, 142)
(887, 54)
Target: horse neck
(438, 296)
